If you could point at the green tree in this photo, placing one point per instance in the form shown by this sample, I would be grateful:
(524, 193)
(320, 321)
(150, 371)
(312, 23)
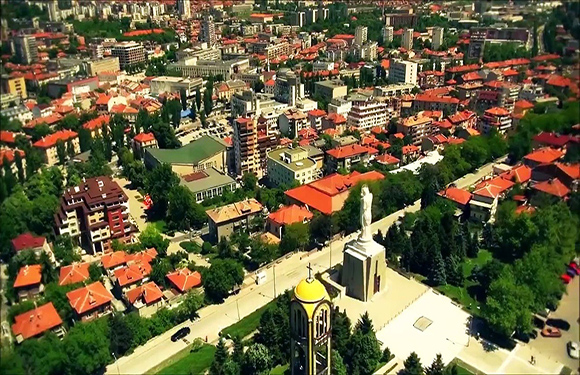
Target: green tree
(85, 140)
(151, 237)
(437, 367)
(364, 351)
(95, 272)
(413, 365)
(61, 152)
(221, 277)
(183, 212)
(220, 357)
(159, 182)
(340, 331)
(120, 335)
(437, 269)
(257, 360)
(295, 238)
(261, 252)
(159, 269)
(249, 181)
(337, 364)
(87, 347)
(198, 99)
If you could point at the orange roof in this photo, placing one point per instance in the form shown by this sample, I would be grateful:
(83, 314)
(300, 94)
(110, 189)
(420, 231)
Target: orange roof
(544, 155)
(436, 99)
(519, 174)
(386, 63)
(336, 118)
(471, 76)
(144, 137)
(492, 188)
(523, 104)
(270, 82)
(97, 123)
(387, 159)
(52, 139)
(525, 209)
(317, 112)
(49, 120)
(132, 273)
(290, 214)
(103, 99)
(75, 273)
(150, 293)
(89, 297)
(114, 259)
(9, 155)
(28, 275)
(559, 81)
(318, 194)
(497, 111)
(572, 170)
(7, 137)
(184, 279)
(546, 57)
(552, 187)
(410, 149)
(34, 322)
(459, 117)
(350, 151)
(456, 195)
(145, 256)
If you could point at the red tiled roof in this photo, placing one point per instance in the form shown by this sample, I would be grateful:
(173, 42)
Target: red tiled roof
(544, 155)
(290, 214)
(28, 275)
(317, 112)
(184, 279)
(559, 81)
(144, 137)
(89, 297)
(387, 159)
(34, 322)
(552, 139)
(336, 118)
(114, 259)
(471, 76)
(132, 273)
(546, 57)
(525, 209)
(572, 170)
(463, 68)
(436, 99)
(524, 104)
(150, 293)
(97, 123)
(410, 149)
(27, 241)
(519, 174)
(9, 155)
(270, 82)
(74, 273)
(49, 120)
(52, 139)
(492, 188)
(497, 111)
(552, 187)
(145, 256)
(7, 137)
(318, 194)
(456, 195)
(350, 151)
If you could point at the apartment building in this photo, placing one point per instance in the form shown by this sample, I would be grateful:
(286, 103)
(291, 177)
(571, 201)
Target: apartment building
(407, 41)
(107, 64)
(427, 102)
(388, 33)
(48, 145)
(286, 165)
(367, 113)
(14, 86)
(292, 121)
(223, 221)
(401, 71)
(128, 53)
(207, 32)
(416, 127)
(437, 39)
(205, 68)
(246, 154)
(163, 84)
(330, 89)
(344, 157)
(25, 49)
(95, 212)
(496, 117)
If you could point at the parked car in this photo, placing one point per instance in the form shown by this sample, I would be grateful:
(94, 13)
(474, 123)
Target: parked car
(181, 333)
(570, 272)
(566, 278)
(558, 323)
(551, 332)
(574, 267)
(573, 349)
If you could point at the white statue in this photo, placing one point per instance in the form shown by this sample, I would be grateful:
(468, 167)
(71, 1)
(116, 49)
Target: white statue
(366, 216)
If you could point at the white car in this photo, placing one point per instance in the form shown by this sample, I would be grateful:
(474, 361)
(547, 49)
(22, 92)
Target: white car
(573, 349)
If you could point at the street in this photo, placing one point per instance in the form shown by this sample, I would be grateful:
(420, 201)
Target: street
(280, 277)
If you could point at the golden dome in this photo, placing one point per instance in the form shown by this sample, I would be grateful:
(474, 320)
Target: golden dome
(310, 291)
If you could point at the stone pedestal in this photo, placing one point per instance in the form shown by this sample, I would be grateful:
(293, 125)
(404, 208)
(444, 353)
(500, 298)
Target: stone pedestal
(364, 268)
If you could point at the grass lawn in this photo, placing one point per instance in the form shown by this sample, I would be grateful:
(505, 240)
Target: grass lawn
(461, 294)
(279, 370)
(248, 324)
(160, 225)
(187, 363)
(463, 368)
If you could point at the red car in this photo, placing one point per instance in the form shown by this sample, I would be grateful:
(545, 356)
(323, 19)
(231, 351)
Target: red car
(551, 332)
(574, 267)
(566, 278)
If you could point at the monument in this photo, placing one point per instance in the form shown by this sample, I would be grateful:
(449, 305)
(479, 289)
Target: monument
(364, 266)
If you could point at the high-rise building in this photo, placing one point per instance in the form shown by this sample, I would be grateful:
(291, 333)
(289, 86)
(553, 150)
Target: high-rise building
(25, 49)
(437, 37)
(310, 312)
(129, 53)
(388, 32)
(207, 33)
(53, 11)
(366, 114)
(298, 19)
(360, 35)
(246, 155)
(407, 42)
(184, 9)
(401, 71)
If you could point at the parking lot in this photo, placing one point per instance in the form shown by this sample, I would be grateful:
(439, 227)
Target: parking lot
(568, 310)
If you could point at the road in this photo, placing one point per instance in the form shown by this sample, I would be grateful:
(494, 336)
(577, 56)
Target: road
(282, 276)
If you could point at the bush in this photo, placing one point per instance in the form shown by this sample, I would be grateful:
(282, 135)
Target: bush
(206, 248)
(190, 247)
(387, 355)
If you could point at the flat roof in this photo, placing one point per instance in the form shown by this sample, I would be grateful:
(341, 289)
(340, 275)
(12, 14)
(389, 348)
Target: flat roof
(191, 153)
(333, 83)
(205, 180)
(276, 155)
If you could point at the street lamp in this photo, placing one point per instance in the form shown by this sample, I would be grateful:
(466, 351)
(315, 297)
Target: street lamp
(117, 362)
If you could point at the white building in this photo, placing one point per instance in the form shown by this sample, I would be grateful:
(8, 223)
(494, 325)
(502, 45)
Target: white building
(437, 38)
(407, 42)
(207, 33)
(164, 84)
(360, 35)
(129, 53)
(184, 8)
(339, 106)
(366, 114)
(402, 71)
(388, 32)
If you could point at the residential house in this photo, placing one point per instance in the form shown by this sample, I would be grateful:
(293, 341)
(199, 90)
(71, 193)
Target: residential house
(95, 125)
(388, 160)
(495, 118)
(286, 165)
(568, 174)
(292, 121)
(142, 141)
(28, 283)
(146, 299)
(459, 197)
(48, 145)
(224, 220)
(315, 117)
(36, 322)
(286, 215)
(90, 302)
(410, 153)
(334, 121)
(546, 155)
(183, 279)
(28, 241)
(346, 156)
(520, 174)
(74, 273)
(416, 127)
(557, 141)
(113, 261)
(486, 197)
(552, 187)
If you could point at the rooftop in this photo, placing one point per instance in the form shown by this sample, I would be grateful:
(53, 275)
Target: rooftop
(456, 195)
(206, 179)
(553, 187)
(544, 155)
(34, 322)
(287, 215)
(27, 241)
(150, 293)
(281, 156)
(74, 273)
(89, 297)
(184, 279)
(28, 276)
(235, 210)
(191, 153)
